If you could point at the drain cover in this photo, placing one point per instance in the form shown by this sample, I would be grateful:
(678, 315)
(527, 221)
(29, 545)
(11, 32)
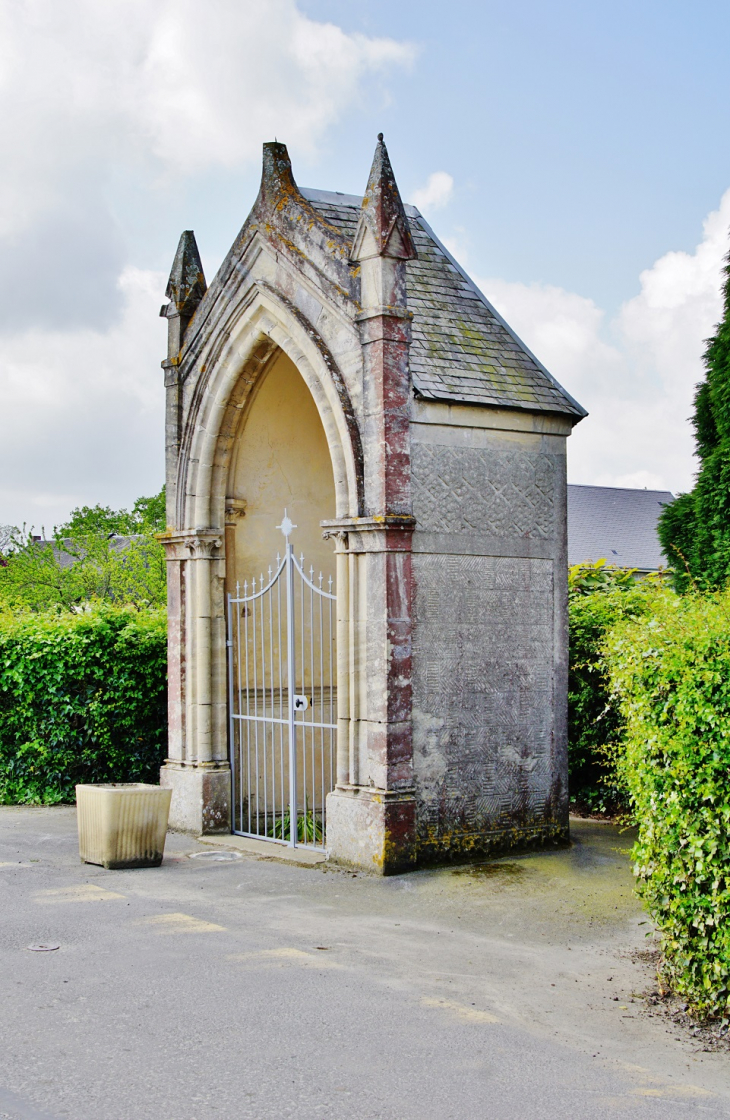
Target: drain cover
(216, 857)
(45, 948)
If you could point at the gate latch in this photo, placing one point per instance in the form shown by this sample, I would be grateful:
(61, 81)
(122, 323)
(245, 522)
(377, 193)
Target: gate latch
(301, 703)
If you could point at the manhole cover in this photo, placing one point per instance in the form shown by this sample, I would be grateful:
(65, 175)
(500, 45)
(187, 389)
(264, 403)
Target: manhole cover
(43, 948)
(216, 857)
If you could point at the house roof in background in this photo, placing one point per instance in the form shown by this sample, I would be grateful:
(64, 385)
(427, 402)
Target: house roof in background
(605, 522)
(462, 349)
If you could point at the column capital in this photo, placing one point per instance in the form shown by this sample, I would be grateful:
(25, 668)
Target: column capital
(235, 510)
(388, 533)
(403, 521)
(192, 544)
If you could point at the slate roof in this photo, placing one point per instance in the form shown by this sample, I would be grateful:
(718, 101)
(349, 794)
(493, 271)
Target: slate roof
(607, 523)
(462, 349)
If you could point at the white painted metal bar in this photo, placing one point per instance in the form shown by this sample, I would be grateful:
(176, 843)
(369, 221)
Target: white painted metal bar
(271, 689)
(248, 725)
(331, 678)
(257, 770)
(231, 707)
(311, 708)
(278, 720)
(290, 648)
(320, 605)
(282, 801)
(301, 662)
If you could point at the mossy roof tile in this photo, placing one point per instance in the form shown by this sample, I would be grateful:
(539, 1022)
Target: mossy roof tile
(462, 350)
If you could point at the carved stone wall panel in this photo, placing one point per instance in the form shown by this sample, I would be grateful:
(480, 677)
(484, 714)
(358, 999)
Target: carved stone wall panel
(509, 493)
(482, 697)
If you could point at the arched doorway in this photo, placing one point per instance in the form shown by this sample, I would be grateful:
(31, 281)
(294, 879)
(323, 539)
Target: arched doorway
(281, 617)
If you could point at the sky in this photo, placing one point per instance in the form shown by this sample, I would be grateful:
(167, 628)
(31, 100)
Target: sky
(573, 156)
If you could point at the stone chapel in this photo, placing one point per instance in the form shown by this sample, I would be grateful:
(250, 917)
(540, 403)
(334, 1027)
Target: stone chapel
(366, 541)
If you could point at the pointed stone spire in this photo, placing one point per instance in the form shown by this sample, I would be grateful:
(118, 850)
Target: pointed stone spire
(185, 289)
(289, 222)
(277, 177)
(383, 228)
(186, 286)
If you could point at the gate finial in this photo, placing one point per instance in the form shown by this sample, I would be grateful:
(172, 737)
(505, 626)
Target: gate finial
(286, 526)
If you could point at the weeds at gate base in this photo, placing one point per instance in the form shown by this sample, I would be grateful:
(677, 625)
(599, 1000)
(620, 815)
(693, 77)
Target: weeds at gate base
(309, 829)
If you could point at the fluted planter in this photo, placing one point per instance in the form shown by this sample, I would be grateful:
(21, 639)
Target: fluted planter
(122, 824)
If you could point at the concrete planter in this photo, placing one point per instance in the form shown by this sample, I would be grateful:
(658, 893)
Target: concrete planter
(122, 824)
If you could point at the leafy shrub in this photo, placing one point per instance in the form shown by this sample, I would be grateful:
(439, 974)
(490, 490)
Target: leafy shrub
(598, 575)
(599, 596)
(670, 673)
(100, 554)
(89, 567)
(82, 699)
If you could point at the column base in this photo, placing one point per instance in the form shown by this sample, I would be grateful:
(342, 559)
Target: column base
(201, 798)
(372, 829)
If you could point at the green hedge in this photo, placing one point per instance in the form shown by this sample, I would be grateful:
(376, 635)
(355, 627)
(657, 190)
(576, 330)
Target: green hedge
(599, 597)
(82, 699)
(671, 676)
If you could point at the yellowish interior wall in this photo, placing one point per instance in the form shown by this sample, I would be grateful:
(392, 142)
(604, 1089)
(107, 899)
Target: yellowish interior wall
(281, 462)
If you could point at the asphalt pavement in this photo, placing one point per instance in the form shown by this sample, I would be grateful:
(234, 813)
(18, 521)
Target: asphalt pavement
(246, 988)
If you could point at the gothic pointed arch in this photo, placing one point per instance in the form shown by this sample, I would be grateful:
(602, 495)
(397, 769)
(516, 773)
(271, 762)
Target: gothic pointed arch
(270, 321)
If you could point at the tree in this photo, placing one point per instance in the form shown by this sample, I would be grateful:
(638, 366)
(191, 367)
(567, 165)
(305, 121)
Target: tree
(100, 520)
(7, 535)
(87, 561)
(148, 515)
(695, 530)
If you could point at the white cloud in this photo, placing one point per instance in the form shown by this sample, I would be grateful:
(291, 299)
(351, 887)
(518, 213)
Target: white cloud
(245, 72)
(435, 194)
(91, 93)
(125, 77)
(636, 373)
(94, 96)
(562, 328)
(83, 411)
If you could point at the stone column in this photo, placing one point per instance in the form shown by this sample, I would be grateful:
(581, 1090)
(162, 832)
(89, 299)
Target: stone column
(197, 768)
(371, 813)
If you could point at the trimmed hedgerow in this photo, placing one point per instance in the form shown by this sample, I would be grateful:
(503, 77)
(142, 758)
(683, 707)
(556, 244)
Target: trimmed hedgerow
(599, 596)
(82, 699)
(670, 674)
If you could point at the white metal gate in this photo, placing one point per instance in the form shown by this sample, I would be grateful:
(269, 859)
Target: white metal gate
(282, 701)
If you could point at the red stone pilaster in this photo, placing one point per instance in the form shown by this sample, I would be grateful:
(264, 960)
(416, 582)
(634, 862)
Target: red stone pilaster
(371, 817)
(385, 335)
